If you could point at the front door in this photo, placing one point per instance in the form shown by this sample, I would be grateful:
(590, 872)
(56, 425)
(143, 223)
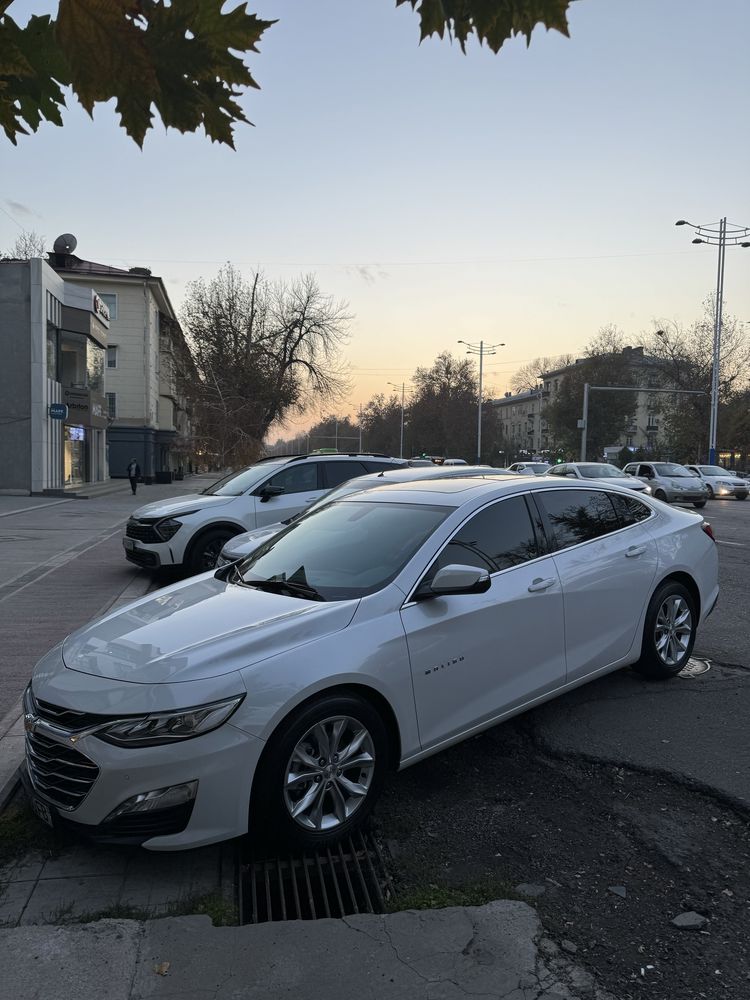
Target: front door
(476, 656)
(301, 486)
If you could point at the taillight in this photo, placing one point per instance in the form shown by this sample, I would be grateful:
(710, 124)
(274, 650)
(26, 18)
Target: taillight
(709, 530)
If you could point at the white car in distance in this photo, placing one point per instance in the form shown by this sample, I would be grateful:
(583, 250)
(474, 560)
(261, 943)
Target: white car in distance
(599, 470)
(277, 693)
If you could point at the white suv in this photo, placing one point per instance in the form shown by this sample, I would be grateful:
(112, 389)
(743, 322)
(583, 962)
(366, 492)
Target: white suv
(190, 530)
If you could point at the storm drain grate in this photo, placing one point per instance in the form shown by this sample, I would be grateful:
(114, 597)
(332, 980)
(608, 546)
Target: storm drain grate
(349, 877)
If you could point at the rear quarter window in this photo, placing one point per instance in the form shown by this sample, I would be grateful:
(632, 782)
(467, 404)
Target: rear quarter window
(576, 516)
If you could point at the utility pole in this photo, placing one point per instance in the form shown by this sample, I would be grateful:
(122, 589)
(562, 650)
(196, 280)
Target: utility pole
(481, 350)
(402, 386)
(719, 235)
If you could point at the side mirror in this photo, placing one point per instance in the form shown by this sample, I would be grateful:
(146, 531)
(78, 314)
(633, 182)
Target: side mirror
(456, 579)
(270, 491)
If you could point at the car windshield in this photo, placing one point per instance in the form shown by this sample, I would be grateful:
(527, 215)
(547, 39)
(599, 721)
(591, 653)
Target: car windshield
(343, 551)
(600, 470)
(670, 469)
(713, 470)
(237, 483)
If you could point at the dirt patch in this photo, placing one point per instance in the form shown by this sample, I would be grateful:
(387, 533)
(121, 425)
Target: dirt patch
(607, 856)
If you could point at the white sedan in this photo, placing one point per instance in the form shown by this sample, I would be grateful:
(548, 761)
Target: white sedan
(276, 693)
(599, 470)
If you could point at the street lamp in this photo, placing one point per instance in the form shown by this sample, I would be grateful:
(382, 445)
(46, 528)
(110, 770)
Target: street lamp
(402, 387)
(718, 234)
(481, 349)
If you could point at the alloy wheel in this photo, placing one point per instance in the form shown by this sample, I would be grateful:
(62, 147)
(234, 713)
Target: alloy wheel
(673, 630)
(210, 554)
(329, 774)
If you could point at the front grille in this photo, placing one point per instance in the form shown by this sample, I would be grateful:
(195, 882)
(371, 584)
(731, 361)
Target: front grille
(143, 532)
(61, 773)
(67, 717)
(344, 879)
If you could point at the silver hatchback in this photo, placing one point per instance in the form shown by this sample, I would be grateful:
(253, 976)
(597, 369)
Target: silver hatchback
(670, 482)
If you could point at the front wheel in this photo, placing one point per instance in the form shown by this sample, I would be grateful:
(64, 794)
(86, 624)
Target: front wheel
(660, 495)
(669, 632)
(710, 492)
(699, 504)
(205, 550)
(322, 772)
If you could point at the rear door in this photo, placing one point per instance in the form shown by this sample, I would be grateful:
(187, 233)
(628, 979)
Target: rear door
(607, 563)
(475, 656)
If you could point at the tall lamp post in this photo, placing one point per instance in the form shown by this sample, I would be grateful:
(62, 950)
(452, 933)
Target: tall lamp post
(402, 387)
(480, 349)
(720, 234)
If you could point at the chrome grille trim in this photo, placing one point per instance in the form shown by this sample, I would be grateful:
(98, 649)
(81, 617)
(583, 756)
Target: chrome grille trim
(58, 772)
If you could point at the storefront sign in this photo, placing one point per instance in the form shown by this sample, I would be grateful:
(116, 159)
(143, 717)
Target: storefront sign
(100, 307)
(85, 407)
(58, 411)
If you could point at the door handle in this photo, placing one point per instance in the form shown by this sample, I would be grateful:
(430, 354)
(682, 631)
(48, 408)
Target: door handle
(635, 550)
(539, 585)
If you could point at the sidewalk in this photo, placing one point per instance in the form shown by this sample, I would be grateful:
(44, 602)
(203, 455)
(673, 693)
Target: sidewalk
(494, 951)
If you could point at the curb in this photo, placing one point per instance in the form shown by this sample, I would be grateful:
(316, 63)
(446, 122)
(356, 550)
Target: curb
(11, 726)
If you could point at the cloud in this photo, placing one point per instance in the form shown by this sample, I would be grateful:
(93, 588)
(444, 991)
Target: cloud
(369, 273)
(20, 209)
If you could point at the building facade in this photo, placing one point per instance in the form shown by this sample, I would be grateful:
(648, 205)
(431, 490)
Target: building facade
(526, 432)
(147, 411)
(52, 381)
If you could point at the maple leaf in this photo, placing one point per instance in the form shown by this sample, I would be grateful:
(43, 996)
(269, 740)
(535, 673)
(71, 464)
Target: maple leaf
(492, 21)
(32, 72)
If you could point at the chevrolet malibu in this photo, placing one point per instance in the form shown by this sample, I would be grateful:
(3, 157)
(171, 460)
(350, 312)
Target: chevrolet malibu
(276, 693)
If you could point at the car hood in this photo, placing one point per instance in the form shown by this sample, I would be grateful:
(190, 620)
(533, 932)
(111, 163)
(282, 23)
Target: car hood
(190, 501)
(248, 541)
(202, 628)
(628, 481)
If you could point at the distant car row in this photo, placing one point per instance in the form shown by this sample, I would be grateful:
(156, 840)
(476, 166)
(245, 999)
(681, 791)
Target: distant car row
(231, 518)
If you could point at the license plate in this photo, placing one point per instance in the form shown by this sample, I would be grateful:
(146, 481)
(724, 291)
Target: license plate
(129, 544)
(43, 811)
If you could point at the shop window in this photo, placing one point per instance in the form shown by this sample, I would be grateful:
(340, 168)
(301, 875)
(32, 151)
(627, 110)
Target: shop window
(112, 356)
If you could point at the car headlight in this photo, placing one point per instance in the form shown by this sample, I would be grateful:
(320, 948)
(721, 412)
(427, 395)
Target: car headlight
(160, 728)
(169, 527)
(647, 489)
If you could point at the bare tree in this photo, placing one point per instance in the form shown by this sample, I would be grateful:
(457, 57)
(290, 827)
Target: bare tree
(527, 377)
(262, 350)
(29, 244)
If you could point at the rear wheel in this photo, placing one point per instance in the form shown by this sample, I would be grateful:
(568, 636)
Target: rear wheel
(322, 772)
(206, 548)
(669, 632)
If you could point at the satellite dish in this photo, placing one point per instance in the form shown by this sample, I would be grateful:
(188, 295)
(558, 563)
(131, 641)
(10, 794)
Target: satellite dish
(65, 243)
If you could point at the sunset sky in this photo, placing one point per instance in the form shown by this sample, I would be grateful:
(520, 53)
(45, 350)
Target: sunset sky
(528, 197)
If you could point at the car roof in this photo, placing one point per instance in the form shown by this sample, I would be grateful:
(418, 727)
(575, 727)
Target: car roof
(455, 490)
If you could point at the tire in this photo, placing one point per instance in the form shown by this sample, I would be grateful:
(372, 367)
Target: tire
(205, 549)
(740, 498)
(699, 504)
(661, 495)
(710, 492)
(277, 806)
(661, 656)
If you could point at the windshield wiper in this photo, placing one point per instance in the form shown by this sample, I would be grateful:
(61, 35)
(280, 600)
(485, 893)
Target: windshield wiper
(291, 587)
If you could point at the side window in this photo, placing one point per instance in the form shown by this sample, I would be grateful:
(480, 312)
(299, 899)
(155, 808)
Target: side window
(296, 478)
(577, 516)
(630, 510)
(375, 466)
(646, 471)
(336, 473)
(557, 470)
(496, 538)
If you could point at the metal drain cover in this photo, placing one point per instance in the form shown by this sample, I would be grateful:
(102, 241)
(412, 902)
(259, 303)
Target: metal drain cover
(349, 877)
(695, 667)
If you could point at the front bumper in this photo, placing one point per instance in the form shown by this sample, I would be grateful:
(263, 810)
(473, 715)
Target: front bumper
(686, 496)
(223, 763)
(148, 555)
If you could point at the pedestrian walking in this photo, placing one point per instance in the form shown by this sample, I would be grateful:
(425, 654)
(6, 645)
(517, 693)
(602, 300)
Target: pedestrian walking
(134, 474)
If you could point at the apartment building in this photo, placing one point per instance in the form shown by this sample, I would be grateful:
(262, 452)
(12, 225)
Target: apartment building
(52, 381)
(526, 432)
(147, 410)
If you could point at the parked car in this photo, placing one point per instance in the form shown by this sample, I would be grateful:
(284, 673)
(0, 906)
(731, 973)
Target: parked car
(720, 483)
(599, 470)
(245, 544)
(670, 482)
(455, 461)
(277, 693)
(191, 530)
(530, 468)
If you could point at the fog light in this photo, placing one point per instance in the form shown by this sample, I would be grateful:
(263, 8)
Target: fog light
(159, 798)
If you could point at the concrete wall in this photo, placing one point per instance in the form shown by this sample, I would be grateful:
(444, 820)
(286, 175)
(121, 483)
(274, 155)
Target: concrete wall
(15, 385)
